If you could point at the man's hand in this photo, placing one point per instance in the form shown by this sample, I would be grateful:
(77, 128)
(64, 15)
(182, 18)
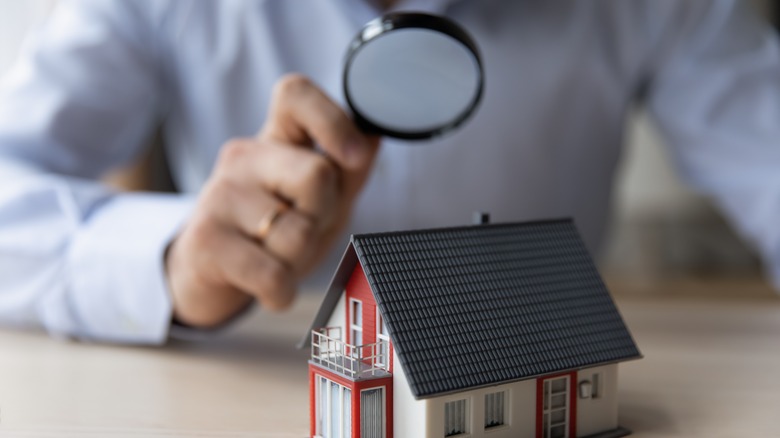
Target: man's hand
(222, 259)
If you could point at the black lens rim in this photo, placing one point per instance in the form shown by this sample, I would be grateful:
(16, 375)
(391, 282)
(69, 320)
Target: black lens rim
(401, 20)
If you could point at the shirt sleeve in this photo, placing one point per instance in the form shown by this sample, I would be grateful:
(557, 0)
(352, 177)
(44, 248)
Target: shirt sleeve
(75, 257)
(715, 95)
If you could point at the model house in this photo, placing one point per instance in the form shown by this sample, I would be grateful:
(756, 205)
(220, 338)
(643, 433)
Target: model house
(502, 330)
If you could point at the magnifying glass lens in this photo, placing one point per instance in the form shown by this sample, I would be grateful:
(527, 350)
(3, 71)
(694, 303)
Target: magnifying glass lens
(412, 81)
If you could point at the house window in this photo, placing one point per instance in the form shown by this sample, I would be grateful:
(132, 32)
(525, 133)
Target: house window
(356, 322)
(334, 413)
(383, 338)
(596, 391)
(495, 409)
(455, 418)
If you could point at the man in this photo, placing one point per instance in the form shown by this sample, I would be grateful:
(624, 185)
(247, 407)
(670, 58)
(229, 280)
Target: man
(264, 205)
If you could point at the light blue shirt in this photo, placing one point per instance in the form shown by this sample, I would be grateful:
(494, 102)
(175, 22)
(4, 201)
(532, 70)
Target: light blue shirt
(83, 261)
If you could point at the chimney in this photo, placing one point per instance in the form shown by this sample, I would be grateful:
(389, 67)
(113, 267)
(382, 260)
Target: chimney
(481, 218)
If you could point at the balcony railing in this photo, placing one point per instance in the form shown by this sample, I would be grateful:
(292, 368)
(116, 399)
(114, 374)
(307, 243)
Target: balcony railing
(354, 361)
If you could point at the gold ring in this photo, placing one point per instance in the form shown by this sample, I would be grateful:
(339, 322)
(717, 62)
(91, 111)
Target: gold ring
(267, 222)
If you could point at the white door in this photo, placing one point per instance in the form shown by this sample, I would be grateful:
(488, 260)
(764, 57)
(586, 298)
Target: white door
(556, 408)
(334, 409)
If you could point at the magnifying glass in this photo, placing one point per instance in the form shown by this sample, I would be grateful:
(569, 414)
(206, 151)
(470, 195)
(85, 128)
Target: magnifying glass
(412, 76)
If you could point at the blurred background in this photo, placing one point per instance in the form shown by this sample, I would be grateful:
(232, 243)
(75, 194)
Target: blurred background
(660, 232)
(664, 232)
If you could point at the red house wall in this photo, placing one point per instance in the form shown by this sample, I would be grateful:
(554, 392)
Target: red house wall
(355, 387)
(359, 289)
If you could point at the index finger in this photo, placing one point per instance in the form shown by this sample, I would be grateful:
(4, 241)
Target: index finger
(301, 113)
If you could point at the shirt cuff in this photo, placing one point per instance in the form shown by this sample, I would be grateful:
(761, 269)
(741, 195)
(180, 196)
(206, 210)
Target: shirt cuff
(117, 272)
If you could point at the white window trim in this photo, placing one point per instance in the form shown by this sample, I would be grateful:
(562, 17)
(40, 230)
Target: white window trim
(352, 326)
(382, 337)
(328, 396)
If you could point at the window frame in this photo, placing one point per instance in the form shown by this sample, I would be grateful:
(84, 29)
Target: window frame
(466, 419)
(597, 385)
(504, 411)
(354, 327)
(324, 421)
(380, 336)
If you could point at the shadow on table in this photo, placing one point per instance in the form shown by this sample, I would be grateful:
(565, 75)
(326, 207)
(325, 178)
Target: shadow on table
(260, 338)
(645, 417)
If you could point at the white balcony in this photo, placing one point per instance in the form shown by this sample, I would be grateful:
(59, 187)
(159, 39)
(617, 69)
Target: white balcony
(353, 361)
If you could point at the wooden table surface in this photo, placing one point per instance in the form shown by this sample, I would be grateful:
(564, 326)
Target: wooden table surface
(711, 369)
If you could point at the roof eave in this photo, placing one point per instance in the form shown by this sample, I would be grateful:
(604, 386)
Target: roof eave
(535, 376)
(336, 287)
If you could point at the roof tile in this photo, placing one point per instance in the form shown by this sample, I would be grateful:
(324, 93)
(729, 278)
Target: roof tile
(482, 305)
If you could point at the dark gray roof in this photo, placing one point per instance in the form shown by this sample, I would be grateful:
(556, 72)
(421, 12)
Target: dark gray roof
(481, 305)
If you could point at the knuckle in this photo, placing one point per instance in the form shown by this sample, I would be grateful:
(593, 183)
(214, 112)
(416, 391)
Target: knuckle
(281, 300)
(214, 190)
(319, 173)
(284, 302)
(202, 234)
(203, 246)
(216, 194)
(291, 84)
(275, 279)
(277, 292)
(233, 151)
(301, 236)
(245, 272)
